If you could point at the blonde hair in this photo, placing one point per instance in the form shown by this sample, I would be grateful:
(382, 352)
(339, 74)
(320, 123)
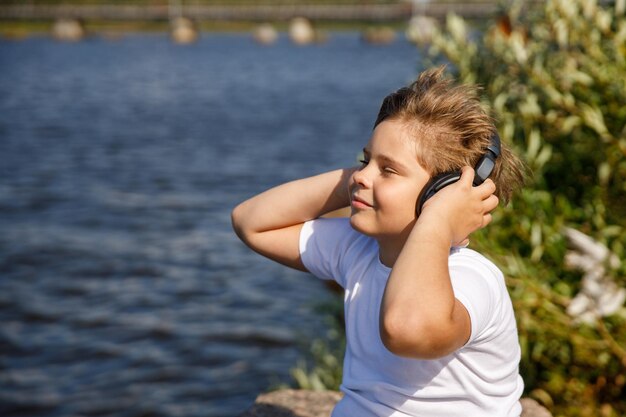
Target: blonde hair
(451, 128)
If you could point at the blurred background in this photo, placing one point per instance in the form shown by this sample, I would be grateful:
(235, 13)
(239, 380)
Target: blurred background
(130, 129)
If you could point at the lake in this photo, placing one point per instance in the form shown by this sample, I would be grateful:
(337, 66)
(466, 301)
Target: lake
(123, 290)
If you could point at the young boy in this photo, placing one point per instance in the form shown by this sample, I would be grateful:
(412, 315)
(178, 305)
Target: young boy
(429, 323)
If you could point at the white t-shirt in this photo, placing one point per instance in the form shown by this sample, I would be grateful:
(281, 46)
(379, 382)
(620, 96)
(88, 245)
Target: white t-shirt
(480, 379)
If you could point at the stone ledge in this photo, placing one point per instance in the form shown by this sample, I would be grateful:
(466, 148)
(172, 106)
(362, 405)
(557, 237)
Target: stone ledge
(303, 403)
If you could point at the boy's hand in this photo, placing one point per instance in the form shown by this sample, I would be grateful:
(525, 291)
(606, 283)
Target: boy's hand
(343, 189)
(460, 209)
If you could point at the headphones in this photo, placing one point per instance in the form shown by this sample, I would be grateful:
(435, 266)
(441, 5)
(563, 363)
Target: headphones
(483, 169)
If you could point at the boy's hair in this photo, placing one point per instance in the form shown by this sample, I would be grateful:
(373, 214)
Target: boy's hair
(451, 128)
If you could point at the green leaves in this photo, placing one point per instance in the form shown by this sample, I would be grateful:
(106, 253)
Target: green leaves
(557, 84)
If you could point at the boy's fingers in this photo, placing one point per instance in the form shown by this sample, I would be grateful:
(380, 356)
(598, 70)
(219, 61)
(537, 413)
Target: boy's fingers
(467, 175)
(491, 202)
(488, 187)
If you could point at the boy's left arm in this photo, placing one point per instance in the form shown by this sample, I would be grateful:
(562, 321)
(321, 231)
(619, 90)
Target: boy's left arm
(419, 315)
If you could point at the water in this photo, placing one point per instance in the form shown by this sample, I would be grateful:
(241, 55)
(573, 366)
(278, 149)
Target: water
(123, 290)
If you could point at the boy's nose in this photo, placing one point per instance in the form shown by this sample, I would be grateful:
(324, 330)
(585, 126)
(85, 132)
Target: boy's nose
(360, 177)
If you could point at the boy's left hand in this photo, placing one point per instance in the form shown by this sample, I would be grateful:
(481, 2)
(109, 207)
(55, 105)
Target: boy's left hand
(460, 209)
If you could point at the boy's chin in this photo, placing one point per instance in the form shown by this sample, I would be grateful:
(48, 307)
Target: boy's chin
(367, 227)
(359, 226)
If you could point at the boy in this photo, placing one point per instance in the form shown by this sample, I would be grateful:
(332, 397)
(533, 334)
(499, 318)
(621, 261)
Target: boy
(430, 329)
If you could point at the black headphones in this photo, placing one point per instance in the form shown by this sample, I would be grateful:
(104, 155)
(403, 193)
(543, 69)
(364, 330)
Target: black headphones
(483, 169)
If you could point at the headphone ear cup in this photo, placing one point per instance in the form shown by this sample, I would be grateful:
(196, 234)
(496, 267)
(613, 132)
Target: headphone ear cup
(435, 184)
(483, 169)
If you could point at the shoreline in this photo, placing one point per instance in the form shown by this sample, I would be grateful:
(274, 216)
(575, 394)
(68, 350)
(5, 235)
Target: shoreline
(16, 30)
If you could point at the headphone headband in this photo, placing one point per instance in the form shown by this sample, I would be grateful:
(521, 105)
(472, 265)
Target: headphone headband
(494, 144)
(487, 162)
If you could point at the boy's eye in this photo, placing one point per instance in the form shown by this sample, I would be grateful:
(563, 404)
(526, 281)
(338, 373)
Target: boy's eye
(364, 161)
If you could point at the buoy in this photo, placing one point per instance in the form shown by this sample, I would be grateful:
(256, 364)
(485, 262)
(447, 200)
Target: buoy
(265, 34)
(69, 30)
(183, 30)
(301, 31)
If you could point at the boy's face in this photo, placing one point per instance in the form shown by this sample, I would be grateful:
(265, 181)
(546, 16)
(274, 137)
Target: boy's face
(385, 189)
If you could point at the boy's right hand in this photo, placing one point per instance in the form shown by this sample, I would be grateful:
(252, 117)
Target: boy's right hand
(460, 208)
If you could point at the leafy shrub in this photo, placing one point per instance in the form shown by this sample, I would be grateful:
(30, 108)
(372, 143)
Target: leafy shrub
(556, 79)
(324, 370)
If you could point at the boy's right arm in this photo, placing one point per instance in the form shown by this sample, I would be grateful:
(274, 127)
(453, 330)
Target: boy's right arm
(270, 222)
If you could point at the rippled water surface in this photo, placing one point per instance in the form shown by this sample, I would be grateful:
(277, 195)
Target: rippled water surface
(123, 290)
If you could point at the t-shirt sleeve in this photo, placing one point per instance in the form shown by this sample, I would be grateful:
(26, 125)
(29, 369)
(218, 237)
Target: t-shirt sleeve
(476, 287)
(323, 244)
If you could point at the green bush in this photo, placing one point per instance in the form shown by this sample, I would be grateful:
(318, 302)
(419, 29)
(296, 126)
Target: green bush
(555, 77)
(324, 369)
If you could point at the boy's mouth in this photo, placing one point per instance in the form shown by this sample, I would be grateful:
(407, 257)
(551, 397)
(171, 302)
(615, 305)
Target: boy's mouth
(358, 202)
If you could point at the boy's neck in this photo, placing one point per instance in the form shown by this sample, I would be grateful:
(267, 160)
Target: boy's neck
(388, 257)
(389, 248)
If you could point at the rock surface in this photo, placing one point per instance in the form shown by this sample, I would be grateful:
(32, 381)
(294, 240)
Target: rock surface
(303, 403)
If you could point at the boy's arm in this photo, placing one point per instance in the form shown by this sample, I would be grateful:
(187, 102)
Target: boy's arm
(270, 222)
(419, 315)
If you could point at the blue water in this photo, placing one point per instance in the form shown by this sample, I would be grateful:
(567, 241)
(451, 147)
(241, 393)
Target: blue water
(123, 290)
